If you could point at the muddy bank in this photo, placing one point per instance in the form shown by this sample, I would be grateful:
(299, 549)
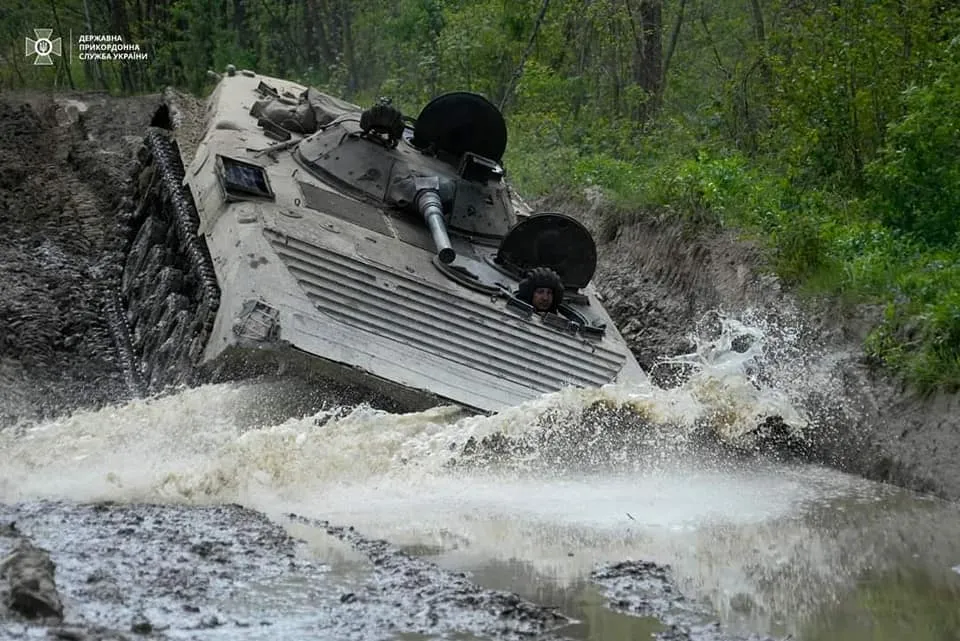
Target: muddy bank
(226, 572)
(61, 168)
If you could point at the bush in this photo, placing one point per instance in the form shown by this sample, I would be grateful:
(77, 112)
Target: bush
(917, 174)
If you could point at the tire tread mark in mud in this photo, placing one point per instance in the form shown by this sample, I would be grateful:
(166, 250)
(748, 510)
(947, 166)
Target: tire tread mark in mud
(120, 333)
(164, 296)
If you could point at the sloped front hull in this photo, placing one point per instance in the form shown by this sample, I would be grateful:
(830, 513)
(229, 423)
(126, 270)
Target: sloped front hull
(427, 319)
(306, 266)
(393, 323)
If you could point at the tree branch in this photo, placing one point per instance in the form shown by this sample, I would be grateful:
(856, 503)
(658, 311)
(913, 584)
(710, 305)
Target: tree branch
(526, 54)
(713, 46)
(674, 37)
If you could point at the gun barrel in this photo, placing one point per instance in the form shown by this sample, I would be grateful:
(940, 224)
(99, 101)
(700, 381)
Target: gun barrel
(430, 207)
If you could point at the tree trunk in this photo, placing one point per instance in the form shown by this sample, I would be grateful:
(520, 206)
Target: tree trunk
(240, 24)
(121, 27)
(93, 68)
(672, 46)
(760, 33)
(324, 34)
(349, 61)
(309, 32)
(647, 23)
(64, 60)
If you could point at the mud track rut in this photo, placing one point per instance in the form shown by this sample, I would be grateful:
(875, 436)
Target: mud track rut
(63, 170)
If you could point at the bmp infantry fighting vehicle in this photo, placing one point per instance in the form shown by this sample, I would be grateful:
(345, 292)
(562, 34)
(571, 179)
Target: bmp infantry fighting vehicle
(358, 243)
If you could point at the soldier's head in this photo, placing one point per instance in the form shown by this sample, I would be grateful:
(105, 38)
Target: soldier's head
(542, 299)
(542, 288)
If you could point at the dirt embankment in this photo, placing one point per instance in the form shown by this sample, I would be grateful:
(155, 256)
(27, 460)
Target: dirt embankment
(62, 166)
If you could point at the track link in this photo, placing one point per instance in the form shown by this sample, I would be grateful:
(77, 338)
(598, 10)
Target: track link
(164, 295)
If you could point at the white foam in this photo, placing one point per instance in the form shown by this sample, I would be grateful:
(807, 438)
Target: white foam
(235, 442)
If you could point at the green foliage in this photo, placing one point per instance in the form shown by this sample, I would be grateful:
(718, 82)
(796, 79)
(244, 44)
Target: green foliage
(917, 175)
(826, 131)
(838, 71)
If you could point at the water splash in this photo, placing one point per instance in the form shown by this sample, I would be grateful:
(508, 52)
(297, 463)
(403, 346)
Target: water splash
(732, 533)
(222, 442)
(735, 374)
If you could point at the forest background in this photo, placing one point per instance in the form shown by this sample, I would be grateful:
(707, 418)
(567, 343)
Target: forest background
(826, 131)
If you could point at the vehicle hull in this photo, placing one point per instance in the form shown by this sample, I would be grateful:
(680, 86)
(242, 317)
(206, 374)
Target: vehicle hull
(314, 277)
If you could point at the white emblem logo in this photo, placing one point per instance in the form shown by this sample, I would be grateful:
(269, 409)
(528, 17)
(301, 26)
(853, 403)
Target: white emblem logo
(43, 47)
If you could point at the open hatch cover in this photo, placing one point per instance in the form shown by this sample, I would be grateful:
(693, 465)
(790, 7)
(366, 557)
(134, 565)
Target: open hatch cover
(551, 240)
(460, 122)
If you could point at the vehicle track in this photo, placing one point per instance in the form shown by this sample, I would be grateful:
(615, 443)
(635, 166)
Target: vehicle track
(165, 298)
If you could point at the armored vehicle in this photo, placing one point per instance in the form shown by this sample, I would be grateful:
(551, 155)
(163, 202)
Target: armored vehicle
(305, 232)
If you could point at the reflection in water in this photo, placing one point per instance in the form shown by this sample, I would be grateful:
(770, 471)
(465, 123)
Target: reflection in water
(875, 562)
(908, 602)
(905, 587)
(597, 622)
(813, 574)
(580, 600)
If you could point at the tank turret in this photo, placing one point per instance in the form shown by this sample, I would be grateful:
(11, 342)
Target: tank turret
(455, 145)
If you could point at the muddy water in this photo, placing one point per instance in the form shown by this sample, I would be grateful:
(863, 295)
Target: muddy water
(770, 549)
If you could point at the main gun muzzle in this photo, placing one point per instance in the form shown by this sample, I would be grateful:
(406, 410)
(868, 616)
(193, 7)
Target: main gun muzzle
(431, 208)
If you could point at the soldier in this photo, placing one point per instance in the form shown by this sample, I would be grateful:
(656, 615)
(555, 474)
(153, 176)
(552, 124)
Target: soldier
(542, 288)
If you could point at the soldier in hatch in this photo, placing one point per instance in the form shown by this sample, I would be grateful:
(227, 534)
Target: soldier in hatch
(542, 288)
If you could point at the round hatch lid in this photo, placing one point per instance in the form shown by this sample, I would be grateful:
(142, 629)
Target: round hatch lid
(556, 241)
(458, 122)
